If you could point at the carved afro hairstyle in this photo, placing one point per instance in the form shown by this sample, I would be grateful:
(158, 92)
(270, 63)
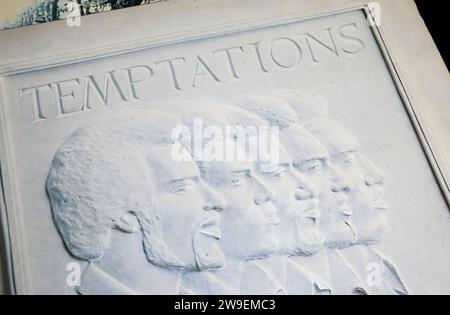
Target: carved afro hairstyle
(307, 105)
(273, 109)
(99, 174)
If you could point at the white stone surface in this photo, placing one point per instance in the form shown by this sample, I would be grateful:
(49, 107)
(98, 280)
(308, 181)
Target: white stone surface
(82, 141)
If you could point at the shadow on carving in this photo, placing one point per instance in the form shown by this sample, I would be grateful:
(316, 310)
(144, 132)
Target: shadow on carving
(146, 222)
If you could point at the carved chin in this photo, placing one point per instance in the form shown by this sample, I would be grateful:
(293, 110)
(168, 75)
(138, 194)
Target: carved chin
(340, 238)
(207, 253)
(210, 261)
(311, 246)
(309, 239)
(267, 248)
(370, 235)
(371, 229)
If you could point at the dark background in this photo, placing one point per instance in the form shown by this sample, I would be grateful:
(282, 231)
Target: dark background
(437, 19)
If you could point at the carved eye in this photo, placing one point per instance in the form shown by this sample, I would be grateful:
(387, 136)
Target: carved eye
(280, 172)
(239, 179)
(348, 160)
(236, 181)
(313, 167)
(182, 189)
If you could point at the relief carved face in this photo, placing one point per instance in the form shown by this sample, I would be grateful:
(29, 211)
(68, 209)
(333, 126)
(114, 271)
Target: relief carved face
(296, 200)
(249, 218)
(311, 160)
(367, 195)
(189, 209)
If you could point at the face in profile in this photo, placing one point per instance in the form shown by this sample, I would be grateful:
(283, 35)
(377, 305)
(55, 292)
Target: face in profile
(296, 200)
(367, 196)
(311, 160)
(249, 218)
(189, 211)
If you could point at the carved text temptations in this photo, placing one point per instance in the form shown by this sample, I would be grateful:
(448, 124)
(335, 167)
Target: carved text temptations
(176, 74)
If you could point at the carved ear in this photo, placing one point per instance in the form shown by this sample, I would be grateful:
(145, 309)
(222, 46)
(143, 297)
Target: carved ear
(128, 223)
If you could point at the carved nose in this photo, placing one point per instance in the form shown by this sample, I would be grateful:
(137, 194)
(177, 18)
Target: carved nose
(213, 200)
(262, 199)
(305, 189)
(376, 177)
(338, 187)
(263, 194)
(372, 180)
(303, 194)
(271, 213)
(339, 181)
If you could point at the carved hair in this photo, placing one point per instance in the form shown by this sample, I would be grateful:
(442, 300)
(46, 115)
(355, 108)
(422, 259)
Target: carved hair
(307, 105)
(275, 110)
(98, 177)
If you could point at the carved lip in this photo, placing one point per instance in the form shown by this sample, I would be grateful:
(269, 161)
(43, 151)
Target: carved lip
(312, 213)
(211, 226)
(345, 210)
(380, 204)
(342, 205)
(273, 220)
(213, 231)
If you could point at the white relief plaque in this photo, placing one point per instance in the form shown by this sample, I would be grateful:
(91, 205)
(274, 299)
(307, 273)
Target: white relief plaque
(279, 157)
